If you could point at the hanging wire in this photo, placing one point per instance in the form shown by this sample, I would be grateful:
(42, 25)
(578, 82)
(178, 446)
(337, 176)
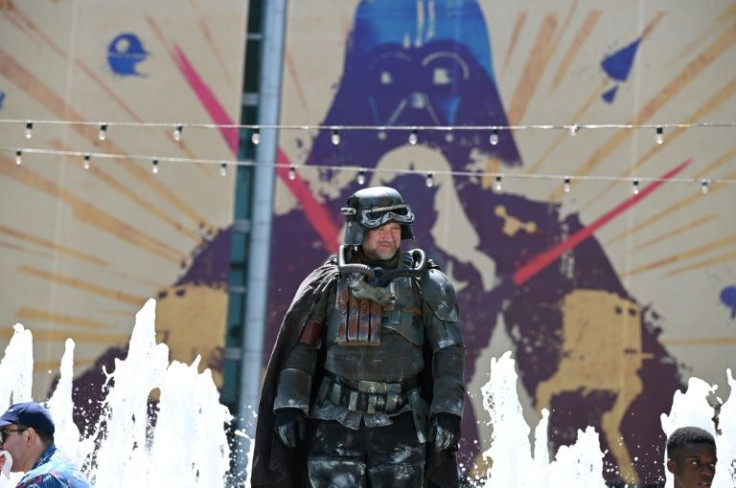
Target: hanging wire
(573, 128)
(101, 156)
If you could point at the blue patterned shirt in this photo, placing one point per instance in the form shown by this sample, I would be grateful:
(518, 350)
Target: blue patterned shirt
(53, 470)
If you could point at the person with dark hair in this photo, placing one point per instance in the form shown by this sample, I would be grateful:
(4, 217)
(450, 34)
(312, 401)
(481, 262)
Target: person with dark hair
(365, 384)
(691, 457)
(27, 440)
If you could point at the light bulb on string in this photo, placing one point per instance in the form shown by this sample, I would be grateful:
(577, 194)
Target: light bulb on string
(102, 132)
(567, 184)
(499, 179)
(292, 172)
(154, 166)
(29, 129)
(413, 137)
(494, 137)
(223, 169)
(361, 177)
(430, 180)
(704, 186)
(255, 136)
(449, 136)
(659, 135)
(177, 132)
(335, 137)
(635, 186)
(86, 161)
(18, 157)
(574, 129)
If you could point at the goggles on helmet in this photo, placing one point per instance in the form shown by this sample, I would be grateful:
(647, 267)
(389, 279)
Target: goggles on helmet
(378, 216)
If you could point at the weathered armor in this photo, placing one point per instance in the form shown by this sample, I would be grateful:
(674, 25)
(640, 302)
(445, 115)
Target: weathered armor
(389, 342)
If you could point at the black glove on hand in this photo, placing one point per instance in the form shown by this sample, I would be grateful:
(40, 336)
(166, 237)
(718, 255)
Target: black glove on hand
(445, 431)
(290, 426)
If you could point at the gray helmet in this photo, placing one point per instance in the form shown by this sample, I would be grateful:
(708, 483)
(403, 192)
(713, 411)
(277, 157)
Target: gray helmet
(373, 207)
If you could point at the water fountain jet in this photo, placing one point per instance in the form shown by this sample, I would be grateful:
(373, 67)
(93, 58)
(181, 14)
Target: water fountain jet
(186, 444)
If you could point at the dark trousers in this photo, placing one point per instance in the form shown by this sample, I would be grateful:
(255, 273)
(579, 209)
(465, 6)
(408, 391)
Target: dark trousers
(379, 457)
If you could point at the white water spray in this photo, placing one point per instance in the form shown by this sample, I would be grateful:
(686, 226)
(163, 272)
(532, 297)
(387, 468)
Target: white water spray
(188, 446)
(580, 465)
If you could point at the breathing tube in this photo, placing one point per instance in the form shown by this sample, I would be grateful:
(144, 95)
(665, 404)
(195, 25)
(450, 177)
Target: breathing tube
(419, 264)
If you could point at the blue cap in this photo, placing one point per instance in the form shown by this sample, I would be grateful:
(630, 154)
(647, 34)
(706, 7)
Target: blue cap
(30, 414)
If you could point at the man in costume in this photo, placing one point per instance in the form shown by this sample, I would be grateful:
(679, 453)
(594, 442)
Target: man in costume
(365, 383)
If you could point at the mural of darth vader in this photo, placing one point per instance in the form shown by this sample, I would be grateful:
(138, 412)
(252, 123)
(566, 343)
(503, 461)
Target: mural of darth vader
(429, 63)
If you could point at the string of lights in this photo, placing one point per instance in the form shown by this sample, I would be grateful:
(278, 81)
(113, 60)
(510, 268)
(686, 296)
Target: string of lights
(335, 138)
(178, 128)
(430, 176)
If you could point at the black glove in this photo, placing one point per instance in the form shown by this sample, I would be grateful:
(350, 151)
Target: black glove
(445, 431)
(290, 426)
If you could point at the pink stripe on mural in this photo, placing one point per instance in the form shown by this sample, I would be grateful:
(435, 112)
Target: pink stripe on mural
(315, 213)
(546, 258)
(207, 97)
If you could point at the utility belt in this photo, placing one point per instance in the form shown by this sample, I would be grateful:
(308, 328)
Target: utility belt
(367, 396)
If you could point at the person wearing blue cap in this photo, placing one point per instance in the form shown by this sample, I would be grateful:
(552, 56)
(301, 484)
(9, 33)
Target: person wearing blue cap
(27, 435)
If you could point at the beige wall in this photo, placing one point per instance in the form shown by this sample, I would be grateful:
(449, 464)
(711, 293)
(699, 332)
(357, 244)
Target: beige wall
(82, 250)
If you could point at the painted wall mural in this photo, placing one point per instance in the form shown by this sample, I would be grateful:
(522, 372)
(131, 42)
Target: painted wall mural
(83, 249)
(609, 299)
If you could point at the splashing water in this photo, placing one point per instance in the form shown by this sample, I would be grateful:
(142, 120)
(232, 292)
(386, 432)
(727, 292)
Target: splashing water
(187, 446)
(581, 465)
(514, 464)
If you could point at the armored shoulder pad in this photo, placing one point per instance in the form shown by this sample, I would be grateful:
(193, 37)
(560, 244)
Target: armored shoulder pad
(439, 294)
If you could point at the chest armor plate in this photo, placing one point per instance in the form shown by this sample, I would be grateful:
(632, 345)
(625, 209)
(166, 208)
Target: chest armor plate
(359, 321)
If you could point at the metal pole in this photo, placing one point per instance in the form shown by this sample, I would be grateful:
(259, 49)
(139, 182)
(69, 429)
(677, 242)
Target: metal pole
(254, 323)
